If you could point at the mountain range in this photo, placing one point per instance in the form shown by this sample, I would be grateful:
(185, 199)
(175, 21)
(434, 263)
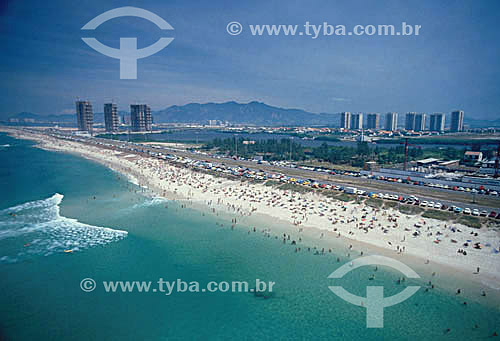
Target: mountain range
(252, 113)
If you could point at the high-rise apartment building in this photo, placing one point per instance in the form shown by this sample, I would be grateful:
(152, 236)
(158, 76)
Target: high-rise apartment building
(391, 121)
(345, 120)
(437, 122)
(357, 121)
(420, 122)
(415, 122)
(372, 121)
(140, 117)
(457, 121)
(84, 116)
(111, 118)
(410, 121)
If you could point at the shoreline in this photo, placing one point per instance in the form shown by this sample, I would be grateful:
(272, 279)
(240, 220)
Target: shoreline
(268, 204)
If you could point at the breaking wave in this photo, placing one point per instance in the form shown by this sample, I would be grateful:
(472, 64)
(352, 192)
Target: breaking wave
(151, 202)
(43, 231)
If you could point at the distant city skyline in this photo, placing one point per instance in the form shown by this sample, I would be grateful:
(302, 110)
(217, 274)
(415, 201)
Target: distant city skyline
(452, 63)
(141, 119)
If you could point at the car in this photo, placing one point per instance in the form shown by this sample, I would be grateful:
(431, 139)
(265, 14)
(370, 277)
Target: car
(457, 209)
(424, 203)
(467, 211)
(475, 212)
(492, 214)
(438, 205)
(483, 213)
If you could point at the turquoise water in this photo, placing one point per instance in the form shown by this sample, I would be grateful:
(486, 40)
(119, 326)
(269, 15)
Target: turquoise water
(68, 203)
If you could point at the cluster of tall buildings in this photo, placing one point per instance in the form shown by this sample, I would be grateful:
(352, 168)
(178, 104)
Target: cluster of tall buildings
(414, 121)
(141, 118)
(351, 121)
(355, 121)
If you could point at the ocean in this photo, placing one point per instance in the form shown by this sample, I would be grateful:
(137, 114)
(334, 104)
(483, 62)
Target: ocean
(54, 202)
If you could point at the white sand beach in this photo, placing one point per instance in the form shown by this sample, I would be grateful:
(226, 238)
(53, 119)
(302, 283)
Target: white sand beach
(432, 241)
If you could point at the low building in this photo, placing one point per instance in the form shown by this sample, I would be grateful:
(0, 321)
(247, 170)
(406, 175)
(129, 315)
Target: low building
(473, 157)
(451, 163)
(427, 162)
(370, 166)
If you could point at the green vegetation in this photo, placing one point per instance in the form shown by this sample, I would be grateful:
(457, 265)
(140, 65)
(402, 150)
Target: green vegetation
(440, 215)
(410, 209)
(295, 188)
(286, 149)
(271, 183)
(390, 204)
(470, 221)
(270, 150)
(345, 197)
(372, 202)
(451, 140)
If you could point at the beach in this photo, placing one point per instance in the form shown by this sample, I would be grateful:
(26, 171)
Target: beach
(122, 226)
(433, 243)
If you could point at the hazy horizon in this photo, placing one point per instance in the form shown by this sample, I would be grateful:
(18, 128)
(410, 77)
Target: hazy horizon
(452, 64)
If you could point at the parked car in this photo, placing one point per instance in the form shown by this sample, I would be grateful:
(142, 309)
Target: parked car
(492, 214)
(467, 211)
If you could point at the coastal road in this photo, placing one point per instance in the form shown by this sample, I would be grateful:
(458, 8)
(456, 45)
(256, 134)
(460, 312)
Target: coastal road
(447, 197)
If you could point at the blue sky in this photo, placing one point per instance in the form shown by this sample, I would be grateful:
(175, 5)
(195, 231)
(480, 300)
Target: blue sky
(452, 64)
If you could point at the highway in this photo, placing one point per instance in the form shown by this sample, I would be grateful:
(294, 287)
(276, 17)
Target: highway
(444, 196)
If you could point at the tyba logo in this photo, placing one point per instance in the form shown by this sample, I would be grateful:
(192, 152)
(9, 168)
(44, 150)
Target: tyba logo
(374, 302)
(128, 52)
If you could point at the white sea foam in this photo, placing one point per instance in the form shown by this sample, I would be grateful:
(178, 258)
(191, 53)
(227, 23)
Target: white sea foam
(4, 145)
(151, 202)
(132, 179)
(44, 231)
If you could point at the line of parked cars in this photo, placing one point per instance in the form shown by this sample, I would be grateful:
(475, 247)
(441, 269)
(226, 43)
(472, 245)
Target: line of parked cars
(480, 190)
(258, 174)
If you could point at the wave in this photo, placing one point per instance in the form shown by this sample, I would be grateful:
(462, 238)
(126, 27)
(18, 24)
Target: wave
(132, 179)
(43, 231)
(4, 145)
(151, 202)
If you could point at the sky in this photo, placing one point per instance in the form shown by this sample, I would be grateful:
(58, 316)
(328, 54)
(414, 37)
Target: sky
(452, 64)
